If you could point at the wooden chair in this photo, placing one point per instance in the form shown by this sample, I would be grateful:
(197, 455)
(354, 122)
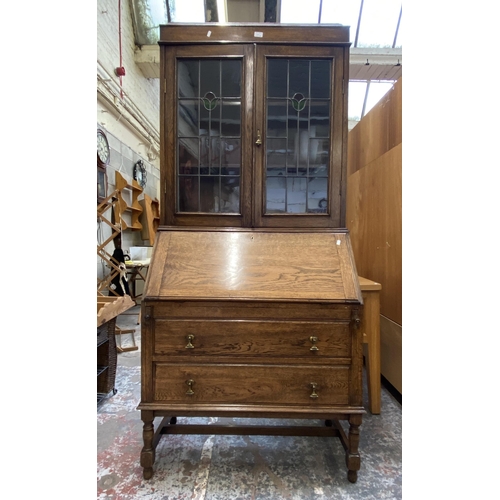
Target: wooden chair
(123, 331)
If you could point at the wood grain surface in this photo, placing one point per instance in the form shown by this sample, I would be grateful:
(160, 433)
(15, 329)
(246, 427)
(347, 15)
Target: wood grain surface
(253, 265)
(251, 338)
(233, 383)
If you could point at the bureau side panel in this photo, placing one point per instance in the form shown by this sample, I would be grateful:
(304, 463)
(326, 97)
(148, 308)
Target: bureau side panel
(356, 372)
(147, 350)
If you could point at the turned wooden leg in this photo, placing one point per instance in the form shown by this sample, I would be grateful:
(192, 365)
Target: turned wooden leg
(148, 451)
(352, 457)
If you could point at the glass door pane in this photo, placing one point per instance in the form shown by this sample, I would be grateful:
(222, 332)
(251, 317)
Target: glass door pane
(298, 124)
(209, 135)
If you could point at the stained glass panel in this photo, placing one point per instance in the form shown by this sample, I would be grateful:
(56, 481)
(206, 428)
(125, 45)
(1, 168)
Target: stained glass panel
(209, 135)
(298, 128)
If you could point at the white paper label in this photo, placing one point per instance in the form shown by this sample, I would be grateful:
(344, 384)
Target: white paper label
(258, 34)
(209, 33)
(338, 242)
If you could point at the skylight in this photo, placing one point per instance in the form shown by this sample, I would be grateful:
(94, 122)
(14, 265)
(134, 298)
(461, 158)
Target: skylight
(292, 12)
(378, 23)
(373, 24)
(188, 11)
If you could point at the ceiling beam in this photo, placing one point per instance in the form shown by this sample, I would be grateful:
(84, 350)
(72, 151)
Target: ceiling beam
(365, 63)
(375, 64)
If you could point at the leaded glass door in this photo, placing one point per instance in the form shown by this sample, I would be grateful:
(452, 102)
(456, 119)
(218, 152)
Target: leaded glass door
(299, 165)
(210, 112)
(254, 135)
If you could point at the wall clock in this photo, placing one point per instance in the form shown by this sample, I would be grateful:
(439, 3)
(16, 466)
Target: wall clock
(103, 151)
(140, 173)
(103, 155)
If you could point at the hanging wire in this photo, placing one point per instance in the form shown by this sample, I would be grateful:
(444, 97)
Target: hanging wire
(121, 159)
(152, 153)
(397, 28)
(366, 98)
(359, 23)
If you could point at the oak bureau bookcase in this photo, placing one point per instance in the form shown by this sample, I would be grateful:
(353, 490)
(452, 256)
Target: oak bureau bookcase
(252, 303)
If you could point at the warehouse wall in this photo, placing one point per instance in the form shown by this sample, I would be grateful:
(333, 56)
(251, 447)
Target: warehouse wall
(127, 110)
(142, 92)
(374, 217)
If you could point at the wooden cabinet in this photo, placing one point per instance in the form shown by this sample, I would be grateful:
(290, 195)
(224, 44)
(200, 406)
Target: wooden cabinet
(252, 303)
(254, 131)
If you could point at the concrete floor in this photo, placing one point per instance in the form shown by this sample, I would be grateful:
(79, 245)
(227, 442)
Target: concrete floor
(238, 467)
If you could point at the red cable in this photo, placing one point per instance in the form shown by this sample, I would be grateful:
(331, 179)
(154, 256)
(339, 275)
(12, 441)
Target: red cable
(120, 41)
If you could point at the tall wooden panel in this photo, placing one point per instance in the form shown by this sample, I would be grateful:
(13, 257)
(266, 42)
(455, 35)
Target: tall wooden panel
(374, 217)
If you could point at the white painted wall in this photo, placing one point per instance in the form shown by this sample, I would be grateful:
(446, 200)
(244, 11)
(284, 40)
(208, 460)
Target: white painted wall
(127, 111)
(142, 91)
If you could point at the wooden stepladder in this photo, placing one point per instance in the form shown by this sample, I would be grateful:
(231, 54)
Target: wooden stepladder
(105, 214)
(108, 204)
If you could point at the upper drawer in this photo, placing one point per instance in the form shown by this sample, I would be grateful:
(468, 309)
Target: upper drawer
(250, 338)
(251, 311)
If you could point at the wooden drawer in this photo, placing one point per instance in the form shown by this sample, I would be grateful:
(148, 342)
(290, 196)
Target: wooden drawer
(250, 338)
(263, 311)
(259, 384)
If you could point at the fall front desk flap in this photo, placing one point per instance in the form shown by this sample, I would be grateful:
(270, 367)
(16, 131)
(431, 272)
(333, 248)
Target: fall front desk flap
(253, 265)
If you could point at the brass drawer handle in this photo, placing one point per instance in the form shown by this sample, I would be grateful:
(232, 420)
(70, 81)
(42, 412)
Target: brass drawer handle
(314, 340)
(190, 339)
(190, 391)
(313, 393)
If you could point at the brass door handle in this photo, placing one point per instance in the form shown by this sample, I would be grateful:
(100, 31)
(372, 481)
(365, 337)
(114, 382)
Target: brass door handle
(190, 391)
(313, 393)
(190, 339)
(313, 341)
(259, 140)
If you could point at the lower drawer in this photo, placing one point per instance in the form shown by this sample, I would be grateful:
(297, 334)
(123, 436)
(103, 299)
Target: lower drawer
(260, 384)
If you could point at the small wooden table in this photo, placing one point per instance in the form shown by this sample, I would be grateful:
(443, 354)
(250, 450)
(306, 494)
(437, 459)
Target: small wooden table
(136, 270)
(370, 327)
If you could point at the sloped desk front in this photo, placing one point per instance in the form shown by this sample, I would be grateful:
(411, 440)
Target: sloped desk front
(249, 323)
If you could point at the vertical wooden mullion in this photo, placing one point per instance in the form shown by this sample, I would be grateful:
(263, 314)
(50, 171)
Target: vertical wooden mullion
(345, 131)
(246, 134)
(287, 131)
(219, 143)
(168, 133)
(259, 113)
(308, 134)
(199, 138)
(336, 140)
